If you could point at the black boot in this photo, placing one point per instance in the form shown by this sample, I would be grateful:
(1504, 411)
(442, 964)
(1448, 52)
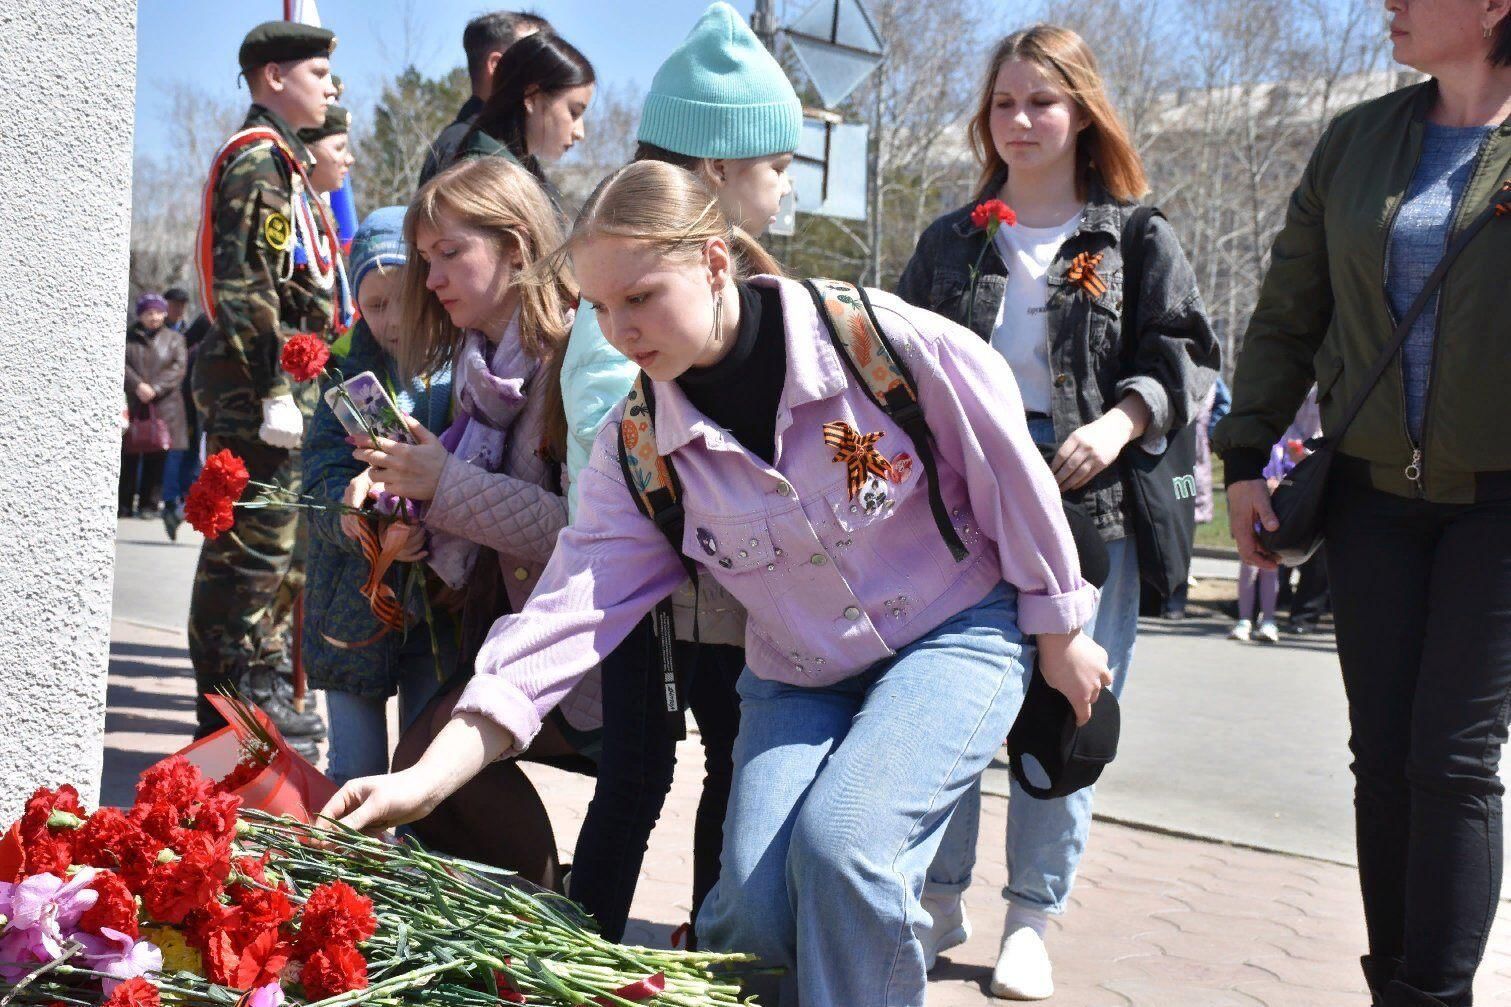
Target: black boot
(1398, 994)
(1379, 972)
(307, 749)
(262, 687)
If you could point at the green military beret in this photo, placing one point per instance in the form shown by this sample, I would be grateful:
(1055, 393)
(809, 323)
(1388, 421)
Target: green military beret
(337, 120)
(283, 42)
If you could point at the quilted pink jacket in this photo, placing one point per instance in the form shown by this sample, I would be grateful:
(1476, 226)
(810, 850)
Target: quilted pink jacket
(516, 513)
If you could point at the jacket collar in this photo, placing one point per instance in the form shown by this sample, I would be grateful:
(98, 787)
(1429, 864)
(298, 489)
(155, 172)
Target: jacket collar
(471, 107)
(814, 373)
(261, 115)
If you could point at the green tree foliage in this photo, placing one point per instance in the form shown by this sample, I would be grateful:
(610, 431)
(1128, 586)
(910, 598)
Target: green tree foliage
(408, 115)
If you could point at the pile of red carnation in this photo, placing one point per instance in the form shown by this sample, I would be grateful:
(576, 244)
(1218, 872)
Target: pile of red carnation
(168, 868)
(208, 508)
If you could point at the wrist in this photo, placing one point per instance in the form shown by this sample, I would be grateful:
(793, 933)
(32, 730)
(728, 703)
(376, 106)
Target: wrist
(1055, 644)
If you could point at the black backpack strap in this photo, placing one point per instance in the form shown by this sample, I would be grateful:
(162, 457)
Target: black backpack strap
(657, 492)
(876, 365)
(1135, 230)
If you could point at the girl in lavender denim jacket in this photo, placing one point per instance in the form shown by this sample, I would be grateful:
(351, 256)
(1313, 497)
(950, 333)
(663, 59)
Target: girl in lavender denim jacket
(882, 673)
(491, 503)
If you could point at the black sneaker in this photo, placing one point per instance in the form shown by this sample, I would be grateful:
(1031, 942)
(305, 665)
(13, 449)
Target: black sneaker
(171, 520)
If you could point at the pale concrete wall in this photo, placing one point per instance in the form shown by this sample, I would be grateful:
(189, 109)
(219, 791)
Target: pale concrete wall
(67, 97)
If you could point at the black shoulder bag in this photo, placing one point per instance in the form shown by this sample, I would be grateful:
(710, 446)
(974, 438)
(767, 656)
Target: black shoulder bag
(1160, 489)
(1300, 499)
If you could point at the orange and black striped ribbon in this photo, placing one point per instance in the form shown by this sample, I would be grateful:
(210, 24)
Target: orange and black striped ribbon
(380, 551)
(1083, 273)
(858, 452)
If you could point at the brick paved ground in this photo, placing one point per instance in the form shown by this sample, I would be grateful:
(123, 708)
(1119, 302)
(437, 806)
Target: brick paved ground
(1157, 921)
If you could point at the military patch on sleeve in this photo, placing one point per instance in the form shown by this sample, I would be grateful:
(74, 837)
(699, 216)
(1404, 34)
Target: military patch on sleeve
(277, 232)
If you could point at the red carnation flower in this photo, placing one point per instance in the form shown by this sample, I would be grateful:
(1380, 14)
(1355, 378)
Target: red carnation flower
(208, 515)
(111, 840)
(336, 914)
(304, 356)
(992, 214)
(115, 908)
(48, 850)
(176, 780)
(134, 993)
(336, 968)
(217, 815)
(224, 474)
(162, 821)
(176, 889)
(254, 868)
(263, 909)
(203, 924)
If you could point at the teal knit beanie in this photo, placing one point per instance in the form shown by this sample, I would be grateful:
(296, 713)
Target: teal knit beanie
(721, 94)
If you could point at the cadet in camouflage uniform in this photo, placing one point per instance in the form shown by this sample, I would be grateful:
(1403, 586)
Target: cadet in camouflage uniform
(248, 404)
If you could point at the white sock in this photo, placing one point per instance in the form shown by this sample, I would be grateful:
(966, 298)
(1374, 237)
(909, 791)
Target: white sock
(1020, 915)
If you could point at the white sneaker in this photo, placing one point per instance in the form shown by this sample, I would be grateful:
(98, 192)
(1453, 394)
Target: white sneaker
(949, 929)
(1241, 630)
(1268, 632)
(1023, 970)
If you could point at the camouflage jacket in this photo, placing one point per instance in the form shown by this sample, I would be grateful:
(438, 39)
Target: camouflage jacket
(261, 297)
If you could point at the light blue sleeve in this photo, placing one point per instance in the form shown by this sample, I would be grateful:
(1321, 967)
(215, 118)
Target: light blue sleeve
(594, 377)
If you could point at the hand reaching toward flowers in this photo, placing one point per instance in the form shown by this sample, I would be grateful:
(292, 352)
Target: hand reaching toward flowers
(412, 471)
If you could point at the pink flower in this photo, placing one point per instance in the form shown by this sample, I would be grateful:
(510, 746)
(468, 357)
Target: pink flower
(44, 912)
(270, 995)
(119, 956)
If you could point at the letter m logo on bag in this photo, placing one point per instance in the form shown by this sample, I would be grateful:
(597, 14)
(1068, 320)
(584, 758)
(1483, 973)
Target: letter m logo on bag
(1185, 486)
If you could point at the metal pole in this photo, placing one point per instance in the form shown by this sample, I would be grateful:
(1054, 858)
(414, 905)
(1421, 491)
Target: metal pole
(763, 23)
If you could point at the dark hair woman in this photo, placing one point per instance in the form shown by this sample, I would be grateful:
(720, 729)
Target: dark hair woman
(1418, 522)
(540, 92)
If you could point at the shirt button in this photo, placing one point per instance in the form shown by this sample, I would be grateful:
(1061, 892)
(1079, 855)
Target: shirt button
(520, 573)
(818, 559)
(784, 488)
(852, 613)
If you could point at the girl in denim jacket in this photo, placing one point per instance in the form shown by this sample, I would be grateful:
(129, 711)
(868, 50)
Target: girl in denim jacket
(1047, 294)
(882, 671)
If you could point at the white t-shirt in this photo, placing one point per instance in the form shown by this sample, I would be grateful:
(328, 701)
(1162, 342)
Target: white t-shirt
(1021, 334)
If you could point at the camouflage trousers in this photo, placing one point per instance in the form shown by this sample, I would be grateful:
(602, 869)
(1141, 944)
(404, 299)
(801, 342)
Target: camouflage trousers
(241, 610)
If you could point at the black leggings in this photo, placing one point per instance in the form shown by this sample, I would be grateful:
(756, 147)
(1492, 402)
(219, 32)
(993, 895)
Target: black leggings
(1421, 597)
(635, 768)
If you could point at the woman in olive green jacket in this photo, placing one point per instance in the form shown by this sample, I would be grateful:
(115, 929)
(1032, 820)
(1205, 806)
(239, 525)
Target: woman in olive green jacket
(1419, 513)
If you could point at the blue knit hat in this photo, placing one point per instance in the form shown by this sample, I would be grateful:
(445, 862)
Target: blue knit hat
(378, 242)
(721, 94)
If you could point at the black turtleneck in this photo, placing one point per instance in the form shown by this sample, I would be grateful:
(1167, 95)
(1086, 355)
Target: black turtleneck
(741, 392)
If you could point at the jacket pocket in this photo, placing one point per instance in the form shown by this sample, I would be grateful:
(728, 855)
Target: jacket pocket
(733, 546)
(947, 292)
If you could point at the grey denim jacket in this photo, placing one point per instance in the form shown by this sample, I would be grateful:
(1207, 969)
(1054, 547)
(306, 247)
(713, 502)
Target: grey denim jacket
(1174, 364)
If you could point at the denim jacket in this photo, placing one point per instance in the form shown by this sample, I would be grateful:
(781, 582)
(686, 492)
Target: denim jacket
(1177, 357)
(336, 615)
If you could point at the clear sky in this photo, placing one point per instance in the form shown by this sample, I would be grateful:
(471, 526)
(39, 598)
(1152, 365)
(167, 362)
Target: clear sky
(196, 41)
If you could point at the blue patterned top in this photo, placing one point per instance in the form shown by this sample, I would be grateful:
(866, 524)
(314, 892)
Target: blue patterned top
(1418, 241)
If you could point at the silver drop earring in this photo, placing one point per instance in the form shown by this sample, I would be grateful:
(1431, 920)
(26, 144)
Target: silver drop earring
(718, 333)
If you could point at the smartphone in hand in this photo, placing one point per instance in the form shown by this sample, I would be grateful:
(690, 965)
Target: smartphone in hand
(367, 394)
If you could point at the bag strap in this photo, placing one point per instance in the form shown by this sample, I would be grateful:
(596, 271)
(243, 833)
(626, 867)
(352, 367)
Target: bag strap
(863, 345)
(1500, 205)
(653, 483)
(1132, 248)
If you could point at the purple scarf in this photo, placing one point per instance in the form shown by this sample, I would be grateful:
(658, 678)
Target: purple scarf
(490, 395)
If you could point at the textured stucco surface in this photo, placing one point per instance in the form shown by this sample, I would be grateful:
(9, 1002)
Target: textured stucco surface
(67, 92)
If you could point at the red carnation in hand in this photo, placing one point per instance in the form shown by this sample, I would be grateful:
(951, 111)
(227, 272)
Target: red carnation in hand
(134, 993)
(115, 908)
(336, 968)
(208, 515)
(304, 356)
(992, 214)
(176, 889)
(112, 841)
(208, 508)
(336, 914)
(49, 850)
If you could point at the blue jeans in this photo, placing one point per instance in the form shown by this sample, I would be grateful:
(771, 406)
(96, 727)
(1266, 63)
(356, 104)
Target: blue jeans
(179, 473)
(840, 799)
(1045, 839)
(359, 724)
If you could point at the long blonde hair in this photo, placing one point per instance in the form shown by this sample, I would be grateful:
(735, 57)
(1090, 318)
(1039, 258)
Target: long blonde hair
(1104, 150)
(671, 209)
(503, 200)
